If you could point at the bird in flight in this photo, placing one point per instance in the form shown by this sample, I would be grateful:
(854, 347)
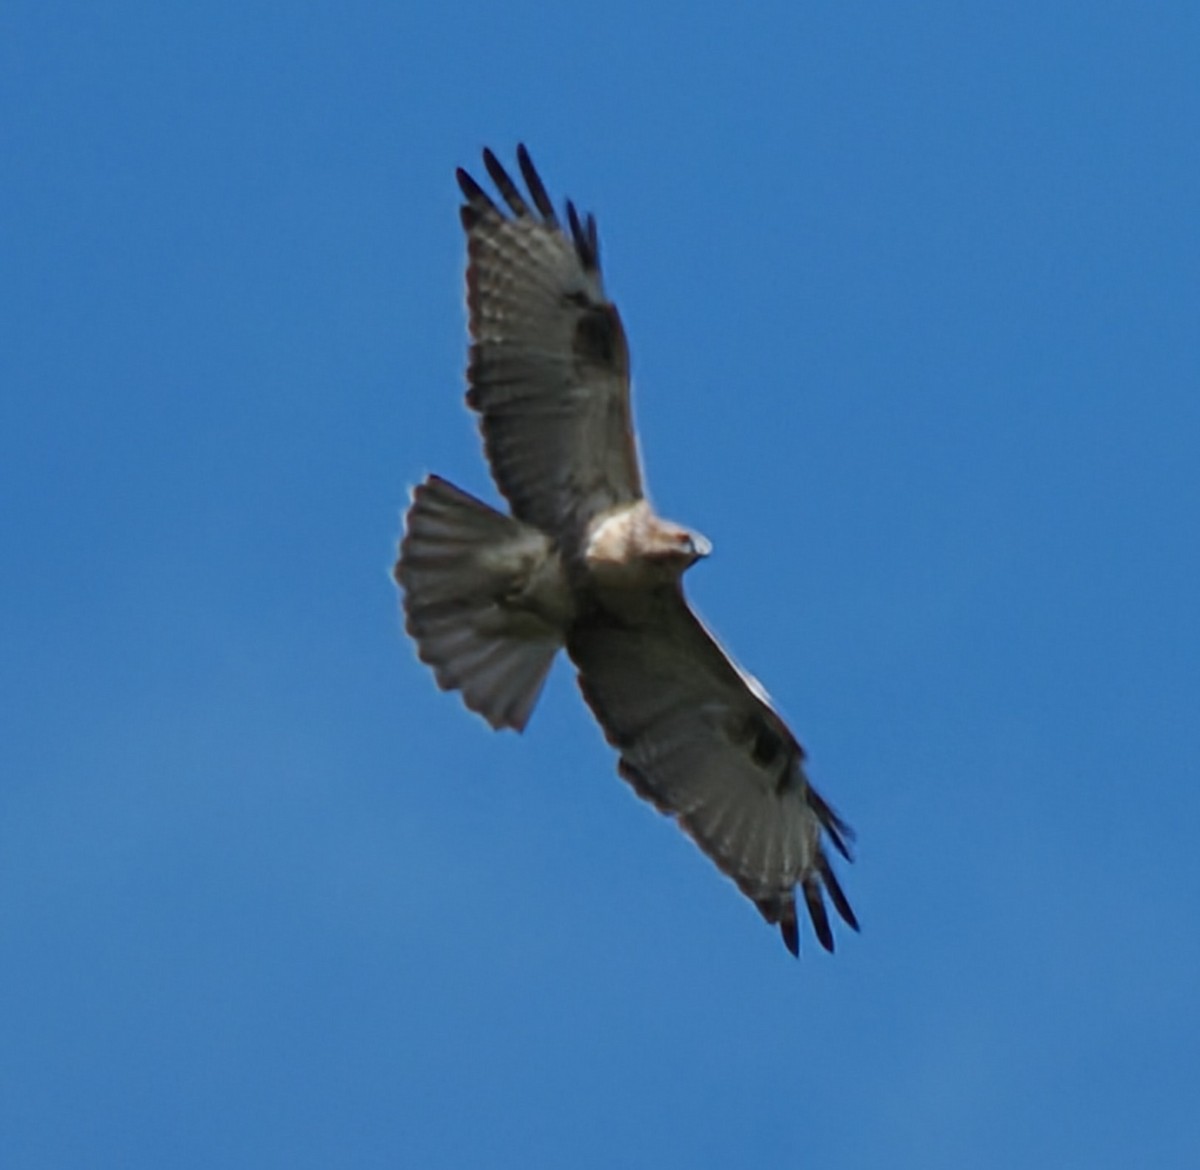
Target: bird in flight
(582, 562)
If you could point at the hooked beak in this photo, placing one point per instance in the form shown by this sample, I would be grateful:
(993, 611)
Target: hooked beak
(701, 546)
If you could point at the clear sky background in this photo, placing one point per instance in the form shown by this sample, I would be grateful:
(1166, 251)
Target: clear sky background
(913, 293)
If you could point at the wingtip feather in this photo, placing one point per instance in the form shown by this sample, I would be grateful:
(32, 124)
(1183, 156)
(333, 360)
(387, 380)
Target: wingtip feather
(836, 895)
(817, 912)
(505, 185)
(537, 189)
(789, 929)
(838, 831)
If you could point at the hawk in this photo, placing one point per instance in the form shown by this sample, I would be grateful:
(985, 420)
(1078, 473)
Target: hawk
(583, 563)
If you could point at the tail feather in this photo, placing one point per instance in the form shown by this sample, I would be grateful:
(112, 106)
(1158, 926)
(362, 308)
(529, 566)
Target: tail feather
(484, 600)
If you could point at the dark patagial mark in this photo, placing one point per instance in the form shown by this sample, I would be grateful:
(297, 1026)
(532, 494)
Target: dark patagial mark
(766, 744)
(599, 338)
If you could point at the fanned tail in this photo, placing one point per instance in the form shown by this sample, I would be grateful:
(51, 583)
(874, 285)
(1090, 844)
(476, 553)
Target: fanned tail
(484, 600)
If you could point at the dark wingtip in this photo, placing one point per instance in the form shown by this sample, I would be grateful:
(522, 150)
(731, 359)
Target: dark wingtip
(471, 190)
(478, 202)
(781, 912)
(593, 240)
(505, 185)
(573, 221)
(492, 163)
(816, 911)
(583, 235)
(836, 895)
(840, 833)
(537, 189)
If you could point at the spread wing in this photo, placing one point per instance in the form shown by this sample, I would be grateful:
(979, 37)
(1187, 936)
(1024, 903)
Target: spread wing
(699, 740)
(549, 365)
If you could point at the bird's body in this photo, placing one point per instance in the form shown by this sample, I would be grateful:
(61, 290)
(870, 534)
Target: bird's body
(584, 563)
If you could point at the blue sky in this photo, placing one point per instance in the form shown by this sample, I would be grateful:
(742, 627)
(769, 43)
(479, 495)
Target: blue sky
(913, 300)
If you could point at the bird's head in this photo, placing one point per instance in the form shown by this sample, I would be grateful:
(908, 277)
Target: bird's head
(679, 548)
